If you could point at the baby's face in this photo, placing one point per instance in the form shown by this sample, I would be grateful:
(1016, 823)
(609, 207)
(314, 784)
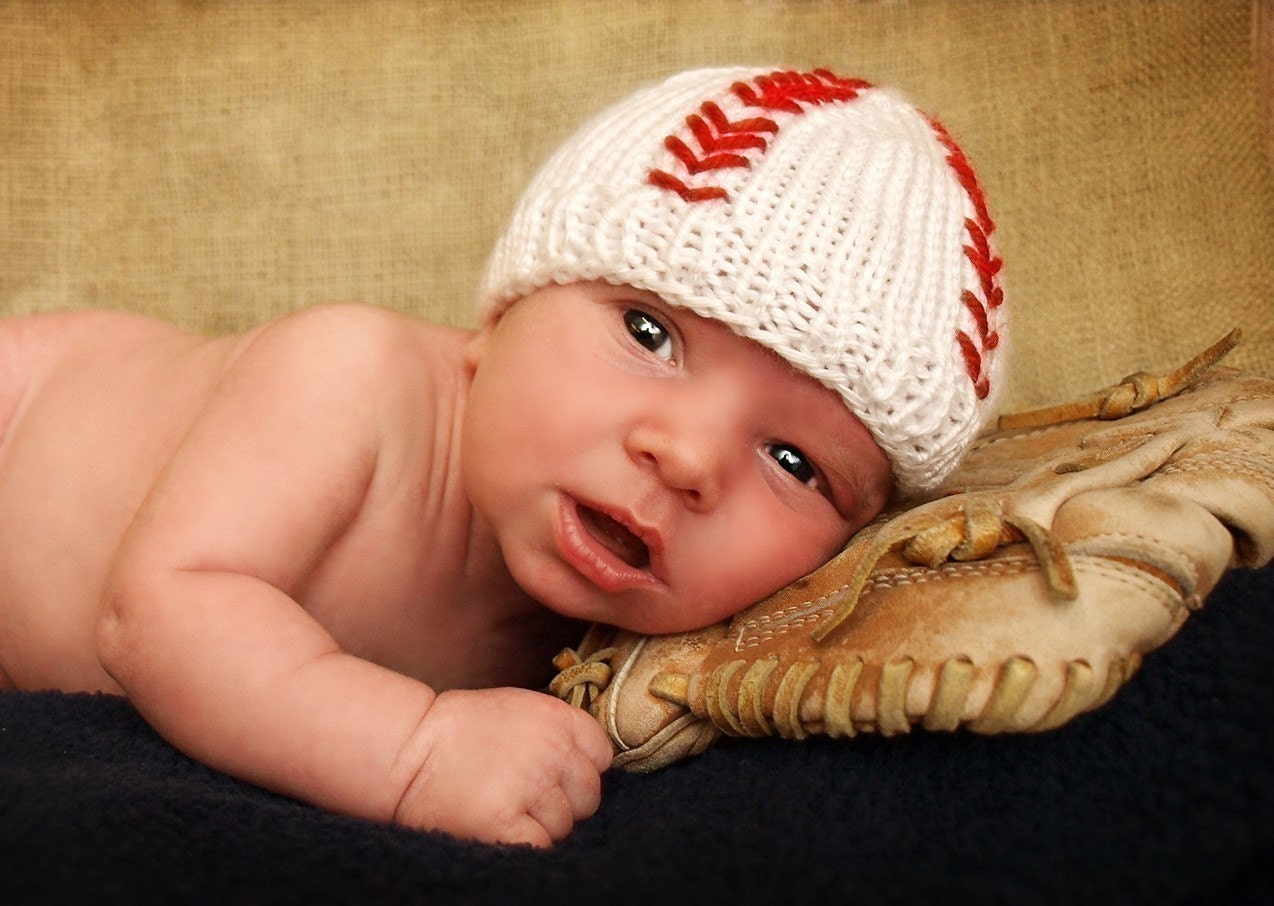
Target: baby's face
(645, 467)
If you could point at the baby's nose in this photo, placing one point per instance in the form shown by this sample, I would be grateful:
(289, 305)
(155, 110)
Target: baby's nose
(688, 460)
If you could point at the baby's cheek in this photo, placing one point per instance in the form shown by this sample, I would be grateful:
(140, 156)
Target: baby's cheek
(800, 557)
(739, 580)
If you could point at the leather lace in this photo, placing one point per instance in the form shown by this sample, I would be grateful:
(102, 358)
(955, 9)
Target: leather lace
(982, 526)
(745, 706)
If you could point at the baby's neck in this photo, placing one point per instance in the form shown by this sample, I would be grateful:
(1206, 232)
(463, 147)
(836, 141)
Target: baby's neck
(510, 639)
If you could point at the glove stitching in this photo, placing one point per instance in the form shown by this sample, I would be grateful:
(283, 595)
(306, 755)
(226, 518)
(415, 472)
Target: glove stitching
(779, 698)
(748, 636)
(782, 615)
(1135, 578)
(1220, 462)
(803, 615)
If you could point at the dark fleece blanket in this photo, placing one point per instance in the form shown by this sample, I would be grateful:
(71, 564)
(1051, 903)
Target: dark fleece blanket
(1164, 796)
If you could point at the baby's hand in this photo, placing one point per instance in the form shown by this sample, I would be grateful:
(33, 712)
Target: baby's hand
(506, 766)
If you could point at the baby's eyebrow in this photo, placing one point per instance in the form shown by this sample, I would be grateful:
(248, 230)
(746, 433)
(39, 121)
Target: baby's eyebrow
(847, 475)
(850, 480)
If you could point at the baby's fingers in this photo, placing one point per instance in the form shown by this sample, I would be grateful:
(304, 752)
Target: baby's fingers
(575, 796)
(592, 740)
(524, 830)
(582, 787)
(554, 813)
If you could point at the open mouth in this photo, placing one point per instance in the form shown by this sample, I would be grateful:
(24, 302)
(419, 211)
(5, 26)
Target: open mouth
(615, 537)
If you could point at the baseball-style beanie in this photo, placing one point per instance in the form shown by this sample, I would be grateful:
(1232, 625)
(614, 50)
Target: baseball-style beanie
(822, 217)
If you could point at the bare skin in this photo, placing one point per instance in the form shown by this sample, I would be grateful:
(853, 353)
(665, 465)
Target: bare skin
(281, 546)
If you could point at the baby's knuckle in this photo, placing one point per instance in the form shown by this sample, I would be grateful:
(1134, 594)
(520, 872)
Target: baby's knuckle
(522, 829)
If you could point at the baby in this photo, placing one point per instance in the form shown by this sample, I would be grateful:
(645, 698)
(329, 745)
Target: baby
(332, 555)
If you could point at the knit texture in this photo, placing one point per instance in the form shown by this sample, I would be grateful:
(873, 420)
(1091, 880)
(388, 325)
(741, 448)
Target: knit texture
(221, 163)
(826, 219)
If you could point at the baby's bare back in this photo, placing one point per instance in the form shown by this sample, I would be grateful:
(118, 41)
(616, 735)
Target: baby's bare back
(91, 406)
(314, 454)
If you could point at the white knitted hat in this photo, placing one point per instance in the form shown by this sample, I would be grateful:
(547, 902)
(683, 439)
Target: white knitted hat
(824, 218)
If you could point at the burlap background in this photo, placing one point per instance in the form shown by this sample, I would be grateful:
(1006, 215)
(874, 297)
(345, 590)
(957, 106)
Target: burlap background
(219, 162)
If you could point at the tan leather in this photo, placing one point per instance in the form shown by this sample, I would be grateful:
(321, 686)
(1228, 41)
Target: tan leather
(219, 163)
(1025, 592)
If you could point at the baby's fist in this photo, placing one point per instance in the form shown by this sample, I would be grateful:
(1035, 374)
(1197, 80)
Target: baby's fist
(505, 766)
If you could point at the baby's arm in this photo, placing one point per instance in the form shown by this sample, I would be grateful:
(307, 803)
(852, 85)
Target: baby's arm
(202, 635)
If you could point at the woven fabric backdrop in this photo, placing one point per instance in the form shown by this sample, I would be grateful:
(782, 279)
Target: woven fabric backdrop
(217, 163)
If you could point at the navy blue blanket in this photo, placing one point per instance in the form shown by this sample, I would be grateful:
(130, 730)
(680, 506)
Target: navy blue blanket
(1164, 796)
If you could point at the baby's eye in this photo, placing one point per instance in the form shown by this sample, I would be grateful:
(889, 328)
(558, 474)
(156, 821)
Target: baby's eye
(794, 462)
(649, 333)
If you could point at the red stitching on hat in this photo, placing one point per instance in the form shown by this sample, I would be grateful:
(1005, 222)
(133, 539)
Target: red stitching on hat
(673, 184)
(721, 140)
(973, 364)
(722, 144)
(978, 250)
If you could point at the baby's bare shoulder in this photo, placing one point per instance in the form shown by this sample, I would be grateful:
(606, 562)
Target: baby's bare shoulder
(360, 337)
(33, 347)
(45, 336)
(359, 369)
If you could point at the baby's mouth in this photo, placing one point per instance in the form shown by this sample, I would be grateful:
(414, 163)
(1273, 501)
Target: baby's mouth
(616, 537)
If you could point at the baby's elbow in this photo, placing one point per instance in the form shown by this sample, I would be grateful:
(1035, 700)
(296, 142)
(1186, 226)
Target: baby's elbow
(112, 639)
(121, 624)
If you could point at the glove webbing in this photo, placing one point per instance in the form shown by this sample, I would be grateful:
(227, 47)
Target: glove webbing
(980, 528)
(800, 705)
(972, 534)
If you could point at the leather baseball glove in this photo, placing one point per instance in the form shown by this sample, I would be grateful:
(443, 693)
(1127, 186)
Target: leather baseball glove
(1071, 542)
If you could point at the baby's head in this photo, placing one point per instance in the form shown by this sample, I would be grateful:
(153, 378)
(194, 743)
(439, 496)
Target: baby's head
(826, 220)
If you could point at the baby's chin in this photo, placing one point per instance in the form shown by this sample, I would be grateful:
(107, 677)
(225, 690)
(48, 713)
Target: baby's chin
(672, 622)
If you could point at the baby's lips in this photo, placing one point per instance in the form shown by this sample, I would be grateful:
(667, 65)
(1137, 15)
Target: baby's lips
(616, 536)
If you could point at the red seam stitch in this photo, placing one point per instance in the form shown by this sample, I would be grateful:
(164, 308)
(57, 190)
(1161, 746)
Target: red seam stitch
(985, 264)
(717, 117)
(782, 90)
(974, 305)
(696, 164)
(673, 184)
(719, 138)
(973, 364)
(788, 91)
(978, 235)
(711, 142)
